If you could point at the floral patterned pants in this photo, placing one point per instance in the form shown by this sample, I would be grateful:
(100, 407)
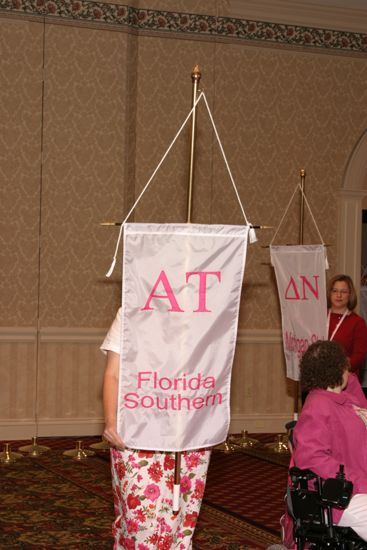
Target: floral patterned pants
(142, 483)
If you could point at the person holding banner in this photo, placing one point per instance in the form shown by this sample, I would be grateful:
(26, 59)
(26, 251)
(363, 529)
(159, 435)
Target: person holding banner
(344, 325)
(332, 427)
(142, 481)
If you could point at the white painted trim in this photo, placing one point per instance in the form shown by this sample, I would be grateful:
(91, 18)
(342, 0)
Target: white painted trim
(73, 334)
(16, 429)
(355, 176)
(350, 236)
(59, 427)
(350, 204)
(259, 336)
(353, 193)
(96, 335)
(79, 427)
(18, 334)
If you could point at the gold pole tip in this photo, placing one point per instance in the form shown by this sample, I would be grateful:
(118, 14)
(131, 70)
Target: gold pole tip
(303, 173)
(196, 73)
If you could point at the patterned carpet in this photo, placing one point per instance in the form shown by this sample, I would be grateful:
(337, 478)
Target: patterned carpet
(247, 487)
(54, 502)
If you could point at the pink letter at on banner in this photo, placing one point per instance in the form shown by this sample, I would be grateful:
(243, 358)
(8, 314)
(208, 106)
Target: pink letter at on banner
(180, 303)
(202, 287)
(162, 278)
(300, 275)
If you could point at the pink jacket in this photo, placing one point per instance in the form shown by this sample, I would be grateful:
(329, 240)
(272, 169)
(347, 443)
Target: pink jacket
(329, 433)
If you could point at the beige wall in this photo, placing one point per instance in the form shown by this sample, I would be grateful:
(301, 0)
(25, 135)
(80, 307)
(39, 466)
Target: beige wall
(87, 110)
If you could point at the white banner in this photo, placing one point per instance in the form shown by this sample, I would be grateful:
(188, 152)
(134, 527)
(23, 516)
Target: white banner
(180, 303)
(300, 275)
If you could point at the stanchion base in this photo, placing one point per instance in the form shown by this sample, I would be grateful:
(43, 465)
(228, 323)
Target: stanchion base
(226, 447)
(278, 446)
(8, 456)
(34, 450)
(102, 445)
(245, 441)
(79, 453)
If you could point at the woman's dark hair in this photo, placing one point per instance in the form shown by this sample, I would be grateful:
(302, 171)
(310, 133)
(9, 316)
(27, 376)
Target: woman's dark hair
(352, 302)
(323, 365)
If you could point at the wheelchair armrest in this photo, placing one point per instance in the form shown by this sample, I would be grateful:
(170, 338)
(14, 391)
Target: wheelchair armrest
(297, 474)
(336, 492)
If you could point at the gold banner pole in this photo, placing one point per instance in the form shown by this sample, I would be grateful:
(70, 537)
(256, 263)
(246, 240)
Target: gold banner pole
(302, 206)
(279, 445)
(195, 78)
(300, 241)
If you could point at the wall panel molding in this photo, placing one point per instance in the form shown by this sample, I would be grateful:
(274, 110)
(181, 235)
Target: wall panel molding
(259, 336)
(96, 335)
(70, 373)
(18, 334)
(72, 334)
(56, 427)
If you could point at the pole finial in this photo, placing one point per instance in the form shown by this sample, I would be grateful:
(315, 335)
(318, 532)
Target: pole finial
(196, 73)
(302, 173)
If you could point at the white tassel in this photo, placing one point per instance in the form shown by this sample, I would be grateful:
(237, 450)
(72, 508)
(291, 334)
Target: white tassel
(326, 260)
(271, 257)
(110, 271)
(252, 235)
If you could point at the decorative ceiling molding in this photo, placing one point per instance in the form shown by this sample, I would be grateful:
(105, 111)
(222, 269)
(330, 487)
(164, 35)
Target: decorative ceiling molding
(189, 25)
(348, 15)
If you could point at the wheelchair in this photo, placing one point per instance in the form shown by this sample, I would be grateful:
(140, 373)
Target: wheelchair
(310, 501)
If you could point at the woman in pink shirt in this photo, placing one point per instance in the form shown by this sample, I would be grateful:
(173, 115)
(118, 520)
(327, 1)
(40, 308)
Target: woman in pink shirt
(332, 428)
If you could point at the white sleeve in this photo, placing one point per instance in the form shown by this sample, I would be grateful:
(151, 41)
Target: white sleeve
(112, 341)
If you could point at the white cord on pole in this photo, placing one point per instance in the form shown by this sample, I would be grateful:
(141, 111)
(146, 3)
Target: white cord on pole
(252, 234)
(284, 215)
(298, 186)
(110, 271)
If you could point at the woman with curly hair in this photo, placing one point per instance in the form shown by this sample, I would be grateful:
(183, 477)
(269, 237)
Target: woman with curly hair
(344, 325)
(332, 428)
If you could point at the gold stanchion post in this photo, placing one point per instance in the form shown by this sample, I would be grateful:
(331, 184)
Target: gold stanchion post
(34, 450)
